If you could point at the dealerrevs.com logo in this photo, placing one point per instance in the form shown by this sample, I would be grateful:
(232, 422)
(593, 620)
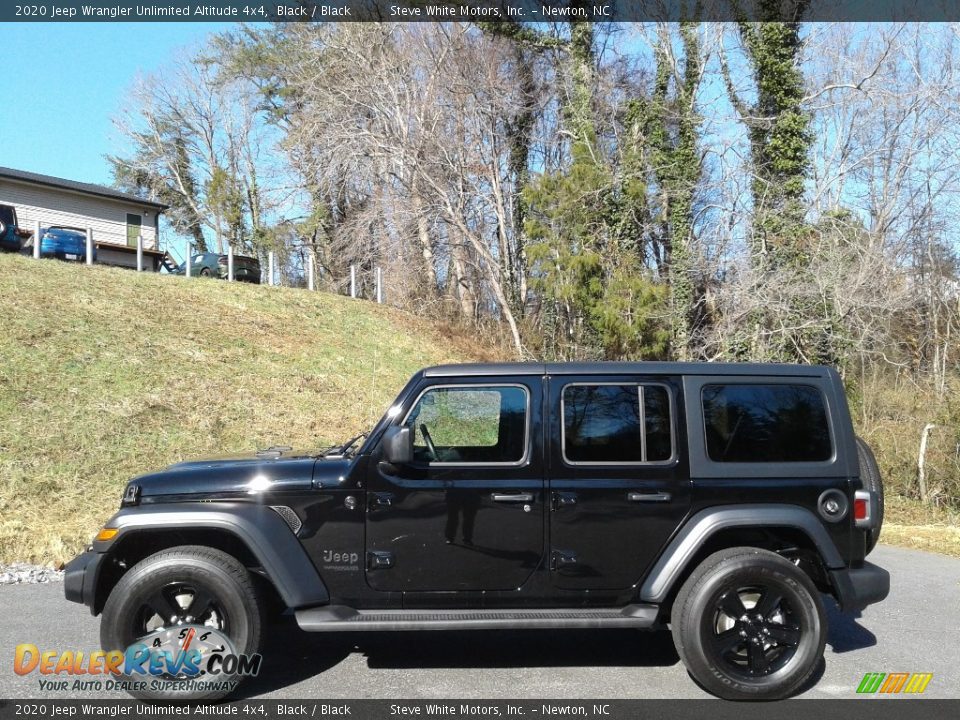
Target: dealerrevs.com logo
(180, 660)
(894, 683)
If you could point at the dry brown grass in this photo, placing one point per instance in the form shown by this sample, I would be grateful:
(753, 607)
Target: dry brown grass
(908, 523)
(105, 374)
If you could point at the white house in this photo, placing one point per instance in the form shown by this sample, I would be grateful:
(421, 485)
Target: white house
(116, 218)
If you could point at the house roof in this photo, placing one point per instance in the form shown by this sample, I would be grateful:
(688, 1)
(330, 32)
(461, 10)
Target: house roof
(78, 187)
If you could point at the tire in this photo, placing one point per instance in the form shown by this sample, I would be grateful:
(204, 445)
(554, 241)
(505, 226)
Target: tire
(205, 272)
(720, 650)
(234, 598)
(870, 477)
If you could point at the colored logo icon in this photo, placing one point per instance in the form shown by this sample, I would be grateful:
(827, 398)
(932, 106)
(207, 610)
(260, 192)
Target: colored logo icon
(894, 683)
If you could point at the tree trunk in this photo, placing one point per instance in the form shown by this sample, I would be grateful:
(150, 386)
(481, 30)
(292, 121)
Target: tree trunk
(423, 239)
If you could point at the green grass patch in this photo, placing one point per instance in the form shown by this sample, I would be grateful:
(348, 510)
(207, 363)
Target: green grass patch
(106, 374)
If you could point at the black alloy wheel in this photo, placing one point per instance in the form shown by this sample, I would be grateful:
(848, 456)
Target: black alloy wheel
(749, 625)
(187, 586)
(755, 631)
(175, 604)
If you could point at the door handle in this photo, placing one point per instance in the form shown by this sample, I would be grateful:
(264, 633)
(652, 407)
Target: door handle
(564, 499)
(381, 499)
(561, 559)
(512, 497)
(649, 496)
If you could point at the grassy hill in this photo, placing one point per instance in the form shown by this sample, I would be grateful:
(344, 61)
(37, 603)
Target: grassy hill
(105, 374)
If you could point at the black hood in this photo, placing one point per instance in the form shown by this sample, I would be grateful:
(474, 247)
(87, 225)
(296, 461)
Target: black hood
(245, 475)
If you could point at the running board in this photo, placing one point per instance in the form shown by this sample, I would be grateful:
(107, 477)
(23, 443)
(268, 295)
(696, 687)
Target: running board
(339, 618)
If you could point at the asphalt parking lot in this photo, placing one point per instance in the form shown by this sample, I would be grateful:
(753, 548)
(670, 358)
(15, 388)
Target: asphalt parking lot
(914, 630)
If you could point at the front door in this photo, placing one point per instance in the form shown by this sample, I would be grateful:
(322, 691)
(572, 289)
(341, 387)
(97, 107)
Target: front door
(134, 229)
(618, 479)
(467, 513)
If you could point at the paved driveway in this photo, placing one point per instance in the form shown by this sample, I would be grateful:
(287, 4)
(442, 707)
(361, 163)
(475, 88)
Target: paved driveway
(914, 630)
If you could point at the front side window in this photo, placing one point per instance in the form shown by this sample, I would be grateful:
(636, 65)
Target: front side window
(766, 423)
(482, 424)
(613, 423)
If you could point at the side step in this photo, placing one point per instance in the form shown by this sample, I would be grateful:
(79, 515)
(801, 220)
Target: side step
(339, 618)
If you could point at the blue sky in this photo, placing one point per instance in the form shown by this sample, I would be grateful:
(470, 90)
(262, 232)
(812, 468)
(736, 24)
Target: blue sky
(65, 81)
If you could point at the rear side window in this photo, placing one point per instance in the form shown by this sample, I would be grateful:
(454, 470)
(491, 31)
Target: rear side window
(6, 215)
(616, 423)
(766, 423)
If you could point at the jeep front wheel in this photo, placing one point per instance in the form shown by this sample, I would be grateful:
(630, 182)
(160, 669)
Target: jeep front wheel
(749, 625)
(165, 595)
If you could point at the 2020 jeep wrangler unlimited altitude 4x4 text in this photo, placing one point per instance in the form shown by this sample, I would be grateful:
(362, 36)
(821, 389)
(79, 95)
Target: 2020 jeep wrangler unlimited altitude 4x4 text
(721, 499)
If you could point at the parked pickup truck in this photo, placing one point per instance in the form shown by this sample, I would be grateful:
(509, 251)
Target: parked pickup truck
(722, 500)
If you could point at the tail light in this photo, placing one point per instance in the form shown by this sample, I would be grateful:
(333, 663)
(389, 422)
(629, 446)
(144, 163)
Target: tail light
(863, 509)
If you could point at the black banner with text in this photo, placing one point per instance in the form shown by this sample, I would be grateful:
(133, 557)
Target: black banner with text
(484, 709)
(531, 11)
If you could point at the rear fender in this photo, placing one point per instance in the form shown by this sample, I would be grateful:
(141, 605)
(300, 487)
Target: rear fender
(676, 557)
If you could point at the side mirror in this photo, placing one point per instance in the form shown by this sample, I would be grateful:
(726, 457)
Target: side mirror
(398, 445)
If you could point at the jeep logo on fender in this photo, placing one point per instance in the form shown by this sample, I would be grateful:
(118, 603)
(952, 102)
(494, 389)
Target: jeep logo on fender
(341, 558)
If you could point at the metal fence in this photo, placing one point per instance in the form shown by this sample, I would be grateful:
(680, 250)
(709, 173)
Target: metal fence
(271, 276)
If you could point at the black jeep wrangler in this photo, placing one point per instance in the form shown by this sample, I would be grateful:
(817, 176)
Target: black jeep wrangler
(722, 500)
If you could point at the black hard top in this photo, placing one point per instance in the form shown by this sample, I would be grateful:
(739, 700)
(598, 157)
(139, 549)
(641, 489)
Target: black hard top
(624, 368)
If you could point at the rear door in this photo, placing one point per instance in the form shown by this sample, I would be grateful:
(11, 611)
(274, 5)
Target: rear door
(467, 513)
(618, 478)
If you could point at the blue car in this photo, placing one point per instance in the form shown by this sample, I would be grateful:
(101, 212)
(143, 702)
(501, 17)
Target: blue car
(64, 243)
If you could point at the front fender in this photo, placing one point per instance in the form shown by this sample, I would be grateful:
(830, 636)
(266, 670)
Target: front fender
(258, 527)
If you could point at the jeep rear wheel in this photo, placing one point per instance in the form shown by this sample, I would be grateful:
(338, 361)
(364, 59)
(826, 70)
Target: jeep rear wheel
(749, 625)
(184, 586)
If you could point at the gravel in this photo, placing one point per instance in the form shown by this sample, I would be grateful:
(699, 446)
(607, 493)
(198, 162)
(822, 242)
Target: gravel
(24, 573)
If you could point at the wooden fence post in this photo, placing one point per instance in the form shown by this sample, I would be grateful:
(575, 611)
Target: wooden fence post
(36, 239)
(922, 460)
(379, 285)
(230, 263)
(139, 253)
(270, 267)
(353, 281)
(189, 262)
(89, 246)
(310, 270)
